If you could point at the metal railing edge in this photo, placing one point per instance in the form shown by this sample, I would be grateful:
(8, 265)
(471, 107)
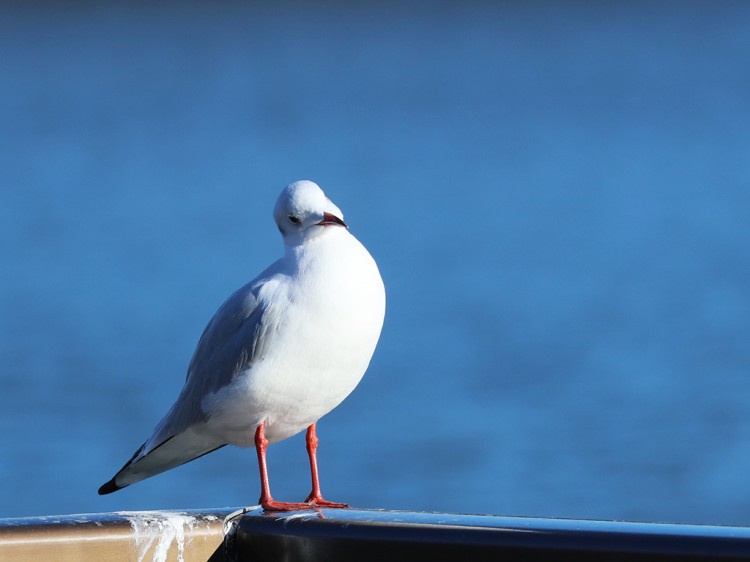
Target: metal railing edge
(363, 534)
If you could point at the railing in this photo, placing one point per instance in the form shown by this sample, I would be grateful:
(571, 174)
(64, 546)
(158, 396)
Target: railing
(357, 535)
(147, 535)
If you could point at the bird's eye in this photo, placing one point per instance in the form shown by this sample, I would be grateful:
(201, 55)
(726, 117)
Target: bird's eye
(294, 220)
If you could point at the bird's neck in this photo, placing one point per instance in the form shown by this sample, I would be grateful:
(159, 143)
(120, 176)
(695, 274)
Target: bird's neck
(328, 240)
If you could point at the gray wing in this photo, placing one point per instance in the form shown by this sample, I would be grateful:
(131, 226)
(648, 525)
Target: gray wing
(232, 341)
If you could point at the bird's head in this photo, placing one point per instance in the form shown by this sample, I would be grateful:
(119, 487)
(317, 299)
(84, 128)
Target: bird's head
(303, 212)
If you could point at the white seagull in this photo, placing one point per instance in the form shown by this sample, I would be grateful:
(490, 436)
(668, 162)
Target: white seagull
(280, 353)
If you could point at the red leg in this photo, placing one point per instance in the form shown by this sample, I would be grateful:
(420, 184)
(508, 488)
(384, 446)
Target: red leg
(266, 501)
(316, 497)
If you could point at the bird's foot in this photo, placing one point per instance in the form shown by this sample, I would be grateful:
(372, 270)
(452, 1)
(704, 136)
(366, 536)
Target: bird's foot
(273, 505)
(316, 500)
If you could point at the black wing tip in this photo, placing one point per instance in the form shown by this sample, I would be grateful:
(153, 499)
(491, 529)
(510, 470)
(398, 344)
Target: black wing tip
(109, 487)
(112, 486)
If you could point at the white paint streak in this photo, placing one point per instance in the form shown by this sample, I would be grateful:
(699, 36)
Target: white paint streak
(159, 530)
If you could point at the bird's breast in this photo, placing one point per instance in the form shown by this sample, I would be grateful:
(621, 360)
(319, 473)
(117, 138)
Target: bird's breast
(326, 326)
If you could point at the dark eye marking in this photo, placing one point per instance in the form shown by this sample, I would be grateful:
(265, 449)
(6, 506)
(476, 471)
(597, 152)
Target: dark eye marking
(294, 220)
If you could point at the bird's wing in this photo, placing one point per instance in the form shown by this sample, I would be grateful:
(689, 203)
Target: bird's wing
(232, 341)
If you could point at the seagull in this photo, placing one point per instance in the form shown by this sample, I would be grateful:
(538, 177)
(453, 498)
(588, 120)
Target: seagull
(279, 354)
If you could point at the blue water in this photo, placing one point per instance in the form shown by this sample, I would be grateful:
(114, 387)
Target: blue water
(557, 197)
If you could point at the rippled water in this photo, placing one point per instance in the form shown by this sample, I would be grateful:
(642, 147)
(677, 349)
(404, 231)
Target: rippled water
(557, 198)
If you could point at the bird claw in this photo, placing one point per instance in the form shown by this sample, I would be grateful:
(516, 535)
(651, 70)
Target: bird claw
(312, 502)
(318, 501)
(273, 505)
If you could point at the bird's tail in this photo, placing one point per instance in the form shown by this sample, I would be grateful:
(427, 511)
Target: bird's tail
(150, 461)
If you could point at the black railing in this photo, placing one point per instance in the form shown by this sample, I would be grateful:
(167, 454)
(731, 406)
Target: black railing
(364, 535)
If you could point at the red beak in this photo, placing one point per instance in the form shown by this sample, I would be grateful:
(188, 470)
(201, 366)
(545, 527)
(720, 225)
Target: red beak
(329, 219)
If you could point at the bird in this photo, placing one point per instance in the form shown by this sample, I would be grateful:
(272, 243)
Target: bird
(281, 352)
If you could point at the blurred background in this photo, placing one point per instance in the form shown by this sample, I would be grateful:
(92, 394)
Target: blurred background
(557, 195)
